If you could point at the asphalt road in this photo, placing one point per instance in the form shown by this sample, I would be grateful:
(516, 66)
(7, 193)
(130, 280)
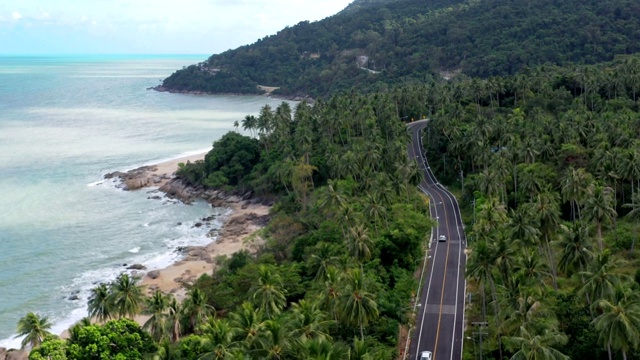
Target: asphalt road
(440, 310)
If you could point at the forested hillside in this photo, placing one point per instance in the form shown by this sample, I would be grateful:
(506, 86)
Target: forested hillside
(371, 45)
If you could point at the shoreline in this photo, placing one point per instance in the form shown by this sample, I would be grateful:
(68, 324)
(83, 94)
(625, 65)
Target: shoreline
(239, 230)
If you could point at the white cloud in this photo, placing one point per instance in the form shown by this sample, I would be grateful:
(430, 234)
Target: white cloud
(16, 15)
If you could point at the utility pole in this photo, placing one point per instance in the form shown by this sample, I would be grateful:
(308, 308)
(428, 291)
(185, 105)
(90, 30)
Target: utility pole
(481, 325)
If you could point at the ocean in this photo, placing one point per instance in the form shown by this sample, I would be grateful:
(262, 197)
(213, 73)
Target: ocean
(64, 123)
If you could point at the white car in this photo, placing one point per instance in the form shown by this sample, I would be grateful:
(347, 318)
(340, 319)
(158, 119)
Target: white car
(425, 355)
(442, 238)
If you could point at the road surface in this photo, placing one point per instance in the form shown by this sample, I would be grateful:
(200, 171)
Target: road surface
(440, 308)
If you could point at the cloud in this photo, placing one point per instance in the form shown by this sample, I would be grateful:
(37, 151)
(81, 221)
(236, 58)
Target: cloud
(16, 15)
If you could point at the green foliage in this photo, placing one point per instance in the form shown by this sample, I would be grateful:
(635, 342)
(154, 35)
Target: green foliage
(117, 339)
(410, 41)
(230, 160)
(51, 348)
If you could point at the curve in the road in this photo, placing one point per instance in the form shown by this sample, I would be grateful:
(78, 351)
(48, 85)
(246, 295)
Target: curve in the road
(440, 316)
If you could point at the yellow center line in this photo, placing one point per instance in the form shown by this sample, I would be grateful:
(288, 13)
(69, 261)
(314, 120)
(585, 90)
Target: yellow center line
(444, 278)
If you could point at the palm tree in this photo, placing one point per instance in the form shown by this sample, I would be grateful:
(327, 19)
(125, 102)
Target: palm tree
(321, 349)
(156, 306)
(537, 347)
(308, 322)
(480, 267)
(634, 214)
(34, 328)
(275, 343)
(548, 210)
(600, 207)
(530, 313)
(602, 276)
(359, 244)
(574, 188)
(99, 304)
(126, 295)
(618, 324)
(323, 256)
(575, 248)
(247, 323)
(218, 340)
(269, 293)
(357, 305)
(196, 308)
(330, 291)
(173, 320)
(523, 225)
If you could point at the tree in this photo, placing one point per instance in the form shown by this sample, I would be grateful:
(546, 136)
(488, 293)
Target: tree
(600, 207)
(117, 339)
(575, 248)
(602, 277)
(634, 214)
(618, 324)
(51, 348)
(34, 328)
(99, 304)
(196, 309)
(156, 306)
(275, 343)
(308, 322)
(173, 320)
(359, 244)
(126, 295)
(480, 267)
(218, 340)
(531, 346)
(247, 323)
(575, 188)
(357, 305)
(269, 294)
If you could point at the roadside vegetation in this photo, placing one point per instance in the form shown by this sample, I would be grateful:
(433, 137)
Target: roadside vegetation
(549, 164)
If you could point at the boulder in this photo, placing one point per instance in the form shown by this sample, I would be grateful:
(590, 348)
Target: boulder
(153, 274)
(136, 267)
(13, 354)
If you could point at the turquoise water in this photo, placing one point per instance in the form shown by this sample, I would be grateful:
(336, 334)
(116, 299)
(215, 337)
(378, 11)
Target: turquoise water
(65, 122)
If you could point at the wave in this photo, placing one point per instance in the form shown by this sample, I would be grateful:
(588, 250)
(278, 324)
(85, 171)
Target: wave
(162, 257)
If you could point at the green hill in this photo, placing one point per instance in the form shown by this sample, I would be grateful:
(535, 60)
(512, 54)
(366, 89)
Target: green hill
(373, 44)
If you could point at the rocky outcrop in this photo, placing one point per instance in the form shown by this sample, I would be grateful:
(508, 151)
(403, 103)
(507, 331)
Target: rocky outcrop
(179, 189)
(137, 178)
(13, 354)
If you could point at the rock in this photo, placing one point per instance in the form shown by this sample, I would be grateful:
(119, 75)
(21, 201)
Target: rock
(179, 223)
(198, 224)
(153, 274)
(137, 267)
(124, 264)
(178, 279)
(13, 354)
(155, 197)
(74, 298)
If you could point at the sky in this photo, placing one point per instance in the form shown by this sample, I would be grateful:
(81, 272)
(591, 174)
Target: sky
(148, 26)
